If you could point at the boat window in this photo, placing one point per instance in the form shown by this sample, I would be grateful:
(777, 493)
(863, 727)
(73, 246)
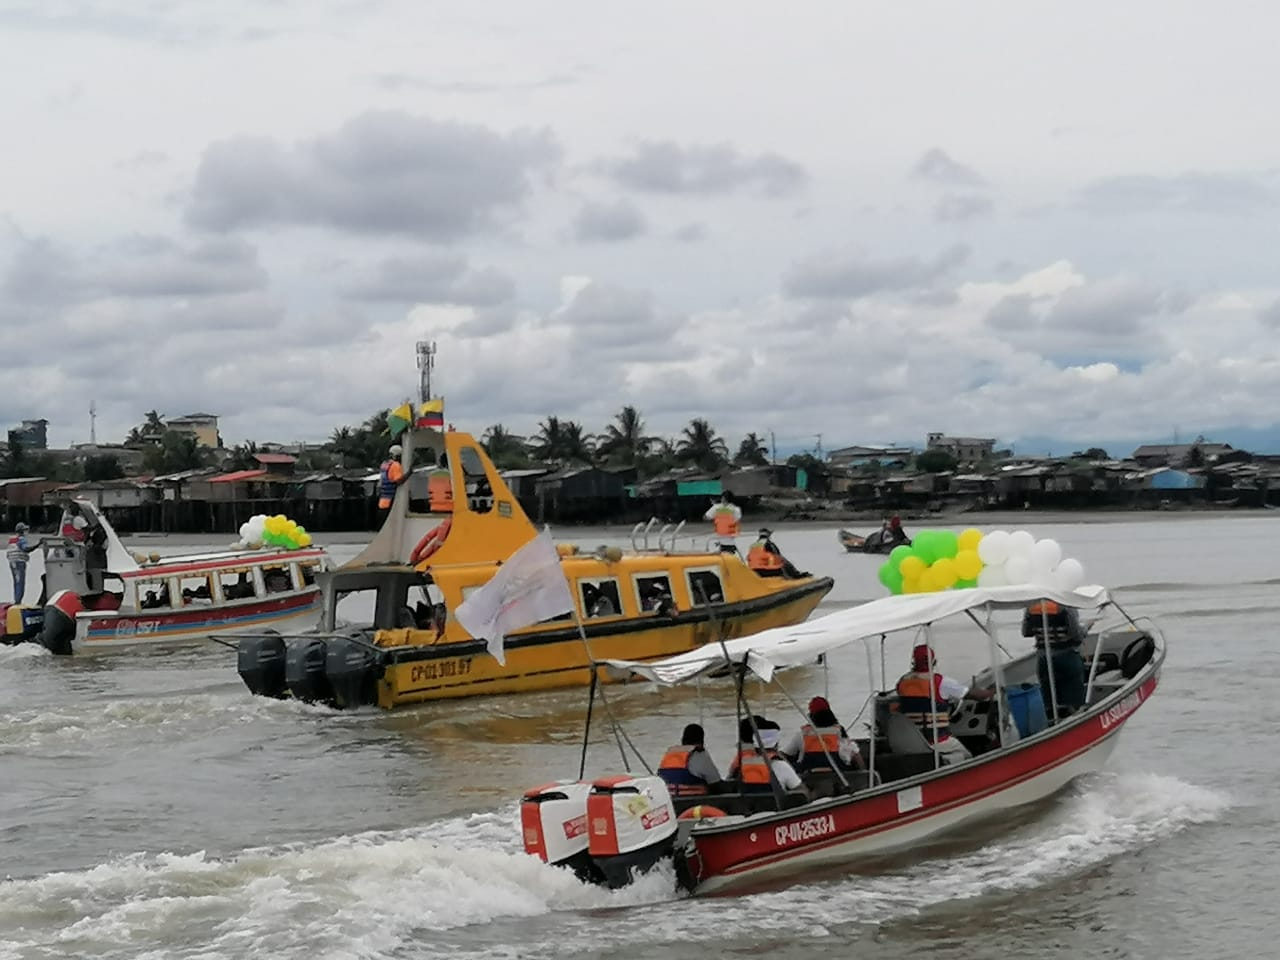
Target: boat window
(308, 571)
(479, 492)
(600, 598)
(152, 594)
(653, 591)
(277, 579)
(705, 587)
(195, 589)
(236, 584)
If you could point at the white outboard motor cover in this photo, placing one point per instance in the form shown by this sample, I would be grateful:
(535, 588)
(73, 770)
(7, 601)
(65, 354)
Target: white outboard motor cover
(629, 813)
(553, 820)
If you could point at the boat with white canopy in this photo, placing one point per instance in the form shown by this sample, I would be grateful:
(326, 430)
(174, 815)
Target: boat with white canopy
(1026, 743)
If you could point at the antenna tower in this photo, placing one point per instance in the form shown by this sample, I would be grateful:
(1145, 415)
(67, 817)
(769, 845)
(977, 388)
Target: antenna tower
(426, 363)
(93, 423)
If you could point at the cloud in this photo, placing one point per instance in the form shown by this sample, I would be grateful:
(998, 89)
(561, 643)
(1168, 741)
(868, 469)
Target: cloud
(1013, 312)
(937, 166)
(835, 276)
(1225, 194)
(608, 222)
(1270, 316)
(960, 207)
(444, 278)
(662, 166)
(410, 81)
(1113, 307)
(380, 173)
(149, 266)
(690, 233)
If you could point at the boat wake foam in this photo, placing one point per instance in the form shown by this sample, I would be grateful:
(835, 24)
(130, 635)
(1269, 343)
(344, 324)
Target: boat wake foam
(463, 887)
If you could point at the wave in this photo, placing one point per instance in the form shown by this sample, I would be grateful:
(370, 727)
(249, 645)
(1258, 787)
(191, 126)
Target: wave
(463, 887)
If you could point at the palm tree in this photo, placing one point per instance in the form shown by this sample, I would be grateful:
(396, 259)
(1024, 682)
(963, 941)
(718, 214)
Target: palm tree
(701, 446)
(549, 444)
(505, 449)
(577, 445)
(752, 452)
(243, 457)
(624, 441)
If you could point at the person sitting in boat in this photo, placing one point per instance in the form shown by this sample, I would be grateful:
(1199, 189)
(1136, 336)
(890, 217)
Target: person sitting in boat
(726, 516)
(767, 560)
(926, 696)
(688, 769)
(658, 598)
(805, 748)
(894, 533)
(1059, 639)
(390, 475)
(753, 768)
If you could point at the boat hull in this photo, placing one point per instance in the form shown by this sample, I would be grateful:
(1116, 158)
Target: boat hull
(763, 849)
(555, 659)
(96, 629)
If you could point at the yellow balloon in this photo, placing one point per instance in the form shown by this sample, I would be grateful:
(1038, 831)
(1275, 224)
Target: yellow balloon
(305, 540)
(944, 573)
(911, 568)
(929, 581)
(912, 586)
(969, 541)
(968, 564)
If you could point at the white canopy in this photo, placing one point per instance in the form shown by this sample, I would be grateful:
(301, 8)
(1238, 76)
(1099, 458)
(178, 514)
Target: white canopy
(800, 644)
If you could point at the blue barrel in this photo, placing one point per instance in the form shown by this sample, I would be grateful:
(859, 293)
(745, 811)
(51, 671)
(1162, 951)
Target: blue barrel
(1027, 706)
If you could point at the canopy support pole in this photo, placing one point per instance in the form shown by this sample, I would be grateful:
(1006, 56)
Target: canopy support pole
(833, 762)
(997, 672)
(586, 730)
(619, 734)
(1047, 649)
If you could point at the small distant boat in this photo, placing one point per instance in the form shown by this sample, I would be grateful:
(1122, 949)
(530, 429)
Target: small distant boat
(872, 543)
(99, 594)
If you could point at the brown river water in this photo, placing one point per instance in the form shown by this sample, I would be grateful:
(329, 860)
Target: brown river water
(151, 808)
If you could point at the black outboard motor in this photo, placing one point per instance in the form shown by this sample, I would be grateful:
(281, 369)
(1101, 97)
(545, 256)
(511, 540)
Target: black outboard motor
(632, 826)
(260, 662)
(352, 671)
(304, 670)
(60, 622)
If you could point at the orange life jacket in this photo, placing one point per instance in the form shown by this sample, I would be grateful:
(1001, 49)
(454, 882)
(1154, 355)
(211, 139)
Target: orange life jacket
(674, 770)
(815, 739)
(440, 492)
(751, 768)
(726, 523)
(390, 475)
(760, 559)
(920, 700)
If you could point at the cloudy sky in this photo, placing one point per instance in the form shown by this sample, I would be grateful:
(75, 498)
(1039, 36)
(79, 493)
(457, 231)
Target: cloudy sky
(1046, 223)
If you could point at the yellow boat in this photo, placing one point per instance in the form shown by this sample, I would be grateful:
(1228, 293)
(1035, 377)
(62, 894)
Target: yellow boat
(435, 548)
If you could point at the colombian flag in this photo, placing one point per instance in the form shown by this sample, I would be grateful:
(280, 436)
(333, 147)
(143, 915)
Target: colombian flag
(431, 414)
(399, 419)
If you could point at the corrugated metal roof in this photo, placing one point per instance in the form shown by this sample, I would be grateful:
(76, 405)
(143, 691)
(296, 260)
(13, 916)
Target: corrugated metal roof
(238, 475)
(274, 458)
(12, 480)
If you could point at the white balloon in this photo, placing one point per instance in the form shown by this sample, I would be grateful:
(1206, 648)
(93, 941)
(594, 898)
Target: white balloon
(994, 548)
(992, 577)
(1069, 575)
(1045, 555)
(1017, 570)
(1021, 543)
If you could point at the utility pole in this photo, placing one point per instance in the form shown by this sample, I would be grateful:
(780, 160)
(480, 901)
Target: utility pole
(773, 448)
(426, 363)
(817, 451)
(93, 423)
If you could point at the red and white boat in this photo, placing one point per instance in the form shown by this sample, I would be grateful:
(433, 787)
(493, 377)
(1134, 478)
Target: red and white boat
(906, 796)
(97, 593)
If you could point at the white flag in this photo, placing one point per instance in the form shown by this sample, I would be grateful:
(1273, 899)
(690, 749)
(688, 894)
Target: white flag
(528, 588)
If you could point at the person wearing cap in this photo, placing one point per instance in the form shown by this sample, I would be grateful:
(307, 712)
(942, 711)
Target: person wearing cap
(1059, 641)
(925, 697)
(767, 560)
(752, 768)
(688, 769)
(390, 476)
(822, 741)
(17, 553)
(726, 516)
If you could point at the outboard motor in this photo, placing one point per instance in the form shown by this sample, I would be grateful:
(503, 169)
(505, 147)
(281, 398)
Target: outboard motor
(22, 624)
(260, 662)
(304, 670)
(352, 671)
(632, 826)
(59, 630)
(553, 820)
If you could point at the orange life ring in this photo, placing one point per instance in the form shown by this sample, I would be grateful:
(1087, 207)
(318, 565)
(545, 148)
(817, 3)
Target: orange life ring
(702, 811)
(432, 541)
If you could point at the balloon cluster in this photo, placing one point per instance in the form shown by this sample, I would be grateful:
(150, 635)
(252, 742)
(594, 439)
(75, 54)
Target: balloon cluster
(277, 531)
(1018, 557)
(936, 560)
(942, 560)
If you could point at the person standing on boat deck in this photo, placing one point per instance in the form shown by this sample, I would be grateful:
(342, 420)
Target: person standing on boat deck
(17, 553)
(751, 768)
(390, 476)
(726, 517)
(75, 525)
(1060, 650)
(804, 748)
(688, 769)
(924, 697)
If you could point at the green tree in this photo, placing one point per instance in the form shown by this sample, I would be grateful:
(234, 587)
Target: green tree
(935, 461)
(505, 449)
(102, 467)
(817, 472)
(549, 444)
(752, 452)
(243, 457)
(1195, 456)
(624, 440)
(579, 447)
(174, 453)
(700, 446)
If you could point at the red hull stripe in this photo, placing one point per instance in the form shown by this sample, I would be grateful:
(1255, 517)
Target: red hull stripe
(158, 623)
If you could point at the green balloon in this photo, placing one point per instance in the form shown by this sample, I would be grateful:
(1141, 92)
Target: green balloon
(925, 546)
(898, 554)
(948, 544)
(893, 581)
(885, 571)
(962, 584)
